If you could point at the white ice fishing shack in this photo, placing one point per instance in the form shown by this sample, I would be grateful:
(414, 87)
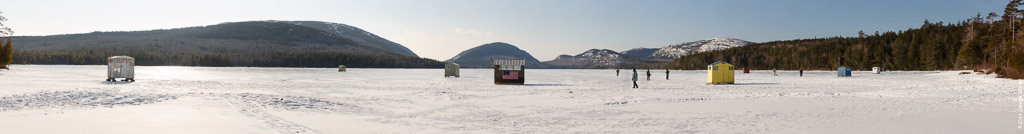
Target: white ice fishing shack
(121, 67)
(451, 69)
(877, 70)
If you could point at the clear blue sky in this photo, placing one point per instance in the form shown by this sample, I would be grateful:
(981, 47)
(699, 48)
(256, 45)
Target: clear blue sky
(439, 29)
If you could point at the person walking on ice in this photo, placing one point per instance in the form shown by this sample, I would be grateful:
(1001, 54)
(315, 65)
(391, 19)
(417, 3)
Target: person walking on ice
(634, 79)
(648, 74)
(666, 73)
(616, 71)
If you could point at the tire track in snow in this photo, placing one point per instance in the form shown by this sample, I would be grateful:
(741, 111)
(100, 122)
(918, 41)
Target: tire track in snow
(255, 110)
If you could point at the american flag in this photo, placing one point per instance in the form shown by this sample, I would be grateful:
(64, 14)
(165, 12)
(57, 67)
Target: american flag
(510, 75)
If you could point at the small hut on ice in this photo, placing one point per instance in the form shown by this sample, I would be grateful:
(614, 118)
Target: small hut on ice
(451, 69)
(342, 68)
(877, 70)
(509, 71)
(721, 73)
(746, 70)
(121, 67)
(845, 71)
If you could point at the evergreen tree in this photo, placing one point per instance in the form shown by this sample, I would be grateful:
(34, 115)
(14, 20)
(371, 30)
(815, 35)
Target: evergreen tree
(4, 30)
(3, 52)
(8, 52)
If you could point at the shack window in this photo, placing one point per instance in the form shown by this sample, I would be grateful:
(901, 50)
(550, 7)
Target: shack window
(716, 68)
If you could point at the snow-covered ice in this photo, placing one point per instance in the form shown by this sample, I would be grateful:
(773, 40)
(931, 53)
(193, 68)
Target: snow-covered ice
(75, 99)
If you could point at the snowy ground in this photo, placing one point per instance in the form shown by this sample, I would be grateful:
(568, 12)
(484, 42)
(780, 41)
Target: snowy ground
(75, 99)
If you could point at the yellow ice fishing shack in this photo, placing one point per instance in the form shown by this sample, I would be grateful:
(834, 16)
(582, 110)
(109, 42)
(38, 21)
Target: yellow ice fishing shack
(721, 73)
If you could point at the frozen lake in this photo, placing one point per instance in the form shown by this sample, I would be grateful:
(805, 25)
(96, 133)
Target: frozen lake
(75, 99)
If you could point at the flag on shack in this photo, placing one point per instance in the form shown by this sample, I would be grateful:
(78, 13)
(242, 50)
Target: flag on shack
(509, 71)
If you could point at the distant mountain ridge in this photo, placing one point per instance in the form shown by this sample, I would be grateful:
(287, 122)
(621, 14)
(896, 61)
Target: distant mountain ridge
(251, 43)
(593, 58)
(604, 58)
(687, 48)
(639, 52)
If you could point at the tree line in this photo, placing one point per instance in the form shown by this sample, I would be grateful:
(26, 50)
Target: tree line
(6, 49)
(991, 43)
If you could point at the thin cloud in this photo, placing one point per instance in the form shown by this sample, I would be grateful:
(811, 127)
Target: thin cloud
(472, 32)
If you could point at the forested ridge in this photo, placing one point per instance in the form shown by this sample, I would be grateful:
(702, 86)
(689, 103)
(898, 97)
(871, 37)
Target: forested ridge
(247, 44)
(989, 42)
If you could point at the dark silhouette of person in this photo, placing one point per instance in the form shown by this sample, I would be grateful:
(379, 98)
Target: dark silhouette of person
(616, 72)
(666, 73)
(648, 74)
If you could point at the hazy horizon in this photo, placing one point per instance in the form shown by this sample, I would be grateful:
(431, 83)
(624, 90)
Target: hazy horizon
(441, 29)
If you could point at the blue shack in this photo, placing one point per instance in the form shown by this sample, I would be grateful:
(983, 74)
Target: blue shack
(844, 71)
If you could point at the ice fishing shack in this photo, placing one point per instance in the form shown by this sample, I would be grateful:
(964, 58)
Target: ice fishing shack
(845, 71)
(509, 71)
(121, 67)
(877, 70)
(451, 69)
(341, 68)
(721, 73)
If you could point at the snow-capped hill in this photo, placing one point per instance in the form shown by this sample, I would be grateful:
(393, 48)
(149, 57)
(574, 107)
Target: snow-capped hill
(591, 58)
(686, 48)
(604, 58)
(354, 34)
(599, 53)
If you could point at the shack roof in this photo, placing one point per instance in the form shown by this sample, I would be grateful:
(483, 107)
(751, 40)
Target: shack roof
(121, 57)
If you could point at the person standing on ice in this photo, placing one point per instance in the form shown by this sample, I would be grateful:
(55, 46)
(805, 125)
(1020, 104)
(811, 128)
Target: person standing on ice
(634, 79)
(801, 72)
(648, 74)
(666, 73)
(774, 73)
(616, 71)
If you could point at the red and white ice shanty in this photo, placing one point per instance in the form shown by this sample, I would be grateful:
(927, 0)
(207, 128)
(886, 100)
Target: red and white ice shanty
(509, 71)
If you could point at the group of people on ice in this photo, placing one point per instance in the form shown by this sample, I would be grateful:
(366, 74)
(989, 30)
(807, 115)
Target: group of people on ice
(774, 72)
(635, 76)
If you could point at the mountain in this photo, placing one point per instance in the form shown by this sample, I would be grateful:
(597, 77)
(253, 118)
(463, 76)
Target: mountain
(593, 58)
(687, 48)
(355, 34)
(480, 56)
(651, 57)
(253, 43)
(639, 52)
